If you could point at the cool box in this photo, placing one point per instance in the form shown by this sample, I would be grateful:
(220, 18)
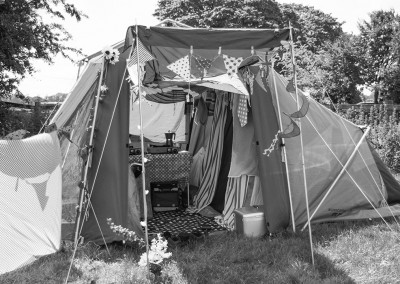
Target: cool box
(250, 221)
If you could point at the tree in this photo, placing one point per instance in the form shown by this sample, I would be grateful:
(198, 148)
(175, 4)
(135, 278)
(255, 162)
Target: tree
(326, 61)
(380, 39)
(312, 27)
(25, 36)
(221, 13)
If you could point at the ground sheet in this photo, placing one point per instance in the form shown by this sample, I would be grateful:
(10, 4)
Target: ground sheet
(178, 221)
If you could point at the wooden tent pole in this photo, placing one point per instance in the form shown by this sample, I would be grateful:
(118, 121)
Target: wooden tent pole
(301, 141)
(284, 150)
(142, 153)
(90, 154)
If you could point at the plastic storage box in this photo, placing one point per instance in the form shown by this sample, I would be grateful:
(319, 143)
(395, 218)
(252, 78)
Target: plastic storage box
(250, 221)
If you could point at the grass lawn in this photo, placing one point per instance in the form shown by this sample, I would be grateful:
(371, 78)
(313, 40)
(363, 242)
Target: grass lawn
(351, 252)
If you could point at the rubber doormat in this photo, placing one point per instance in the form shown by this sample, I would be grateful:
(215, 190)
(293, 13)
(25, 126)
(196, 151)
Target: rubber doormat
(179, 221)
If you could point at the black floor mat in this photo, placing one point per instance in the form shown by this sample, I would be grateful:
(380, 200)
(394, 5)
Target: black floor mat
(179, 221)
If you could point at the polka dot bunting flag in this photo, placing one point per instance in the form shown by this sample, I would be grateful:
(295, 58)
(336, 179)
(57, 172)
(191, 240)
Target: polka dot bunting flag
(181, 67)
(232, 64)
(202, 64)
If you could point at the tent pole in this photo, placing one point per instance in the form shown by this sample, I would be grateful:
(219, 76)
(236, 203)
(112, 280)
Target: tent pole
(339, 175)
(284, 151)
(301, 142)
(79, 70)
(69, 143)
(90, 154)
(142, 153)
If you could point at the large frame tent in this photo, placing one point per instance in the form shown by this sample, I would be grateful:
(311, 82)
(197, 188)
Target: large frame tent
(308, 159)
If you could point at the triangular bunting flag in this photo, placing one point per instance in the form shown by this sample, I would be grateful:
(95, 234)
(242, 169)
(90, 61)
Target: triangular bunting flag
(217, 67)
(133, 73)
(181, 67)
(144, 55)
(232, 64)
(202, 64)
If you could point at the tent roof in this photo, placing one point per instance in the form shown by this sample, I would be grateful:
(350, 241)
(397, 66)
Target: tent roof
(204, 57)
(202, 38)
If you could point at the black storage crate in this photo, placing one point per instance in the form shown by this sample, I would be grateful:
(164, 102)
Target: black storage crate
(165, 195)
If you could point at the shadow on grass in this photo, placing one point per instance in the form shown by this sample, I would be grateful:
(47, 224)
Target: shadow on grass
(235, 259)
(47, 269)
(232, 258)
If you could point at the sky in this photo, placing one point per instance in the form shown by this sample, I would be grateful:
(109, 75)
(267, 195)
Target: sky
(108, 21)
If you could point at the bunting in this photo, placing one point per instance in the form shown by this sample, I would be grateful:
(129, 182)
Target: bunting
(181, 67)
(232, 64)
(144, 55)
(202, 64)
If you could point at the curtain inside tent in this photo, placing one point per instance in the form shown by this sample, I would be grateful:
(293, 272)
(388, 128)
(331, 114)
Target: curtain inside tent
(213, 153)
(218, 201)
(158, 119)
(241, 191)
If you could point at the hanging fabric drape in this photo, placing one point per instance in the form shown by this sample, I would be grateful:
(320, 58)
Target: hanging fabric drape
(197, 137)
(166, 98)
(212, 159)
(240, 192)
(243, 148)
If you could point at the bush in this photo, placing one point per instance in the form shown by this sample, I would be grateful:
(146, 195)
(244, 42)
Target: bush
(385, 131)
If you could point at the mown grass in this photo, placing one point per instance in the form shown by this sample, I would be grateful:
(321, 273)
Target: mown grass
(351, 252)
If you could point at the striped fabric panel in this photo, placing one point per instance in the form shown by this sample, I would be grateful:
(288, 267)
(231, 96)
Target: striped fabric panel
(235, 197)
(240, 192)
(212, 159)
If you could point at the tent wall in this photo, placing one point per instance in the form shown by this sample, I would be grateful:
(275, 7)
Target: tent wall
(329, 140)
(72, 161)
(110, 190)
(391, 184)
(271, 168)
(79, 91)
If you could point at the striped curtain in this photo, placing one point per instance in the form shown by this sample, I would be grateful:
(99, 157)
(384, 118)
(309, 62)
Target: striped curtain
(240, 192)
(212, 159)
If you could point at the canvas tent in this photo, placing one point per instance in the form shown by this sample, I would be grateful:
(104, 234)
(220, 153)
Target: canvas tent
(252, 153)
(30, 199)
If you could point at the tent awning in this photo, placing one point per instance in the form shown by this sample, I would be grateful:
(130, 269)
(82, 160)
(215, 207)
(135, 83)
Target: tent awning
(202, 57)
(200, 38)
